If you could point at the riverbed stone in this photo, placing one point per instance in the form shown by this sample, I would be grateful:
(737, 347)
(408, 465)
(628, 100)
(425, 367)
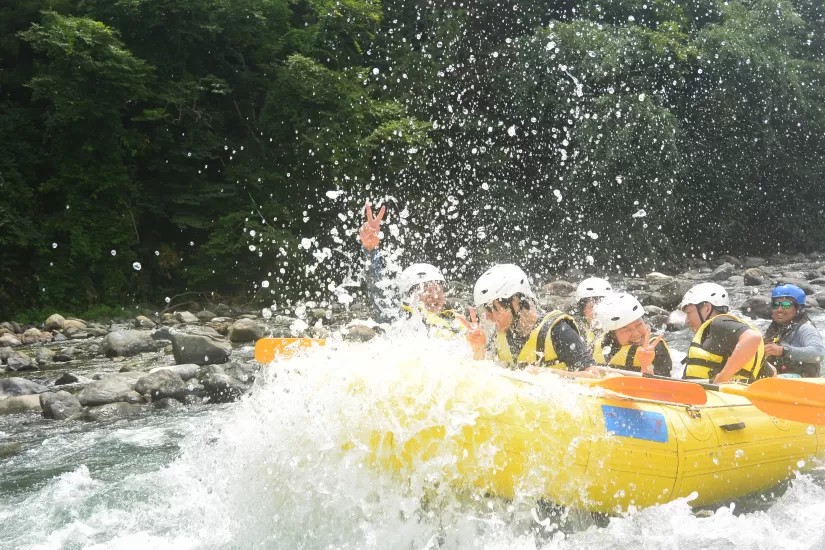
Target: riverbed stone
(18, 362)
(127, 343)
(54, 322)
(754, 261)
(167, 403)
(801, 283)
(205, 315)
(169, 319)
(669, 294)
(222, 388)
(60, 405)
(43, 356)
(12, 387)
(722, 272)
(110, 389)
(242, 371)
(200, 348)
(59, 337)
(245, 330)
(185, 317)
(10, 341)
(34, 336)
(71, 378)
(185, 371)
(733, 260)
(141, 321)
(559, 288)
(758, 307)
(113, 411)
(755, 277)
(160, 384)
(20, 404)
(76, 324)
(359, 333)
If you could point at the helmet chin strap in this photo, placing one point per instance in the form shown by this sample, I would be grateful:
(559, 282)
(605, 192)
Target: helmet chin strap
(516, 315)
(702, 318)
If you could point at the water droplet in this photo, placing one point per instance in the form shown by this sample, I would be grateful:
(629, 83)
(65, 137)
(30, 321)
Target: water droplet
(266, 313)
(375, 70)
(716, 461)
(54, 245)
(811, 430)
(157, 253)
(739, 453)
(114, 252)
(252, 248)
(800, 464)
(136, 266)
(252, 233)
(168, 299)
(264, 284)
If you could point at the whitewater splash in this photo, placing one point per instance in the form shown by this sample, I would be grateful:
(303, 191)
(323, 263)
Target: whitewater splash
(280, 470)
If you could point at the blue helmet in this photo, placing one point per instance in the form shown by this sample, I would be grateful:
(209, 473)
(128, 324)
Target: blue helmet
(789, 291)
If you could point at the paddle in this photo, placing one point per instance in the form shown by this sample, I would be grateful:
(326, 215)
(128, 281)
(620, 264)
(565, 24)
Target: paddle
(790, 399)
(267, 349)
(655, 390)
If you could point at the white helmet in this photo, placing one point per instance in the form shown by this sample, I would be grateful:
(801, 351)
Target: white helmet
(618, 310)
(499, 282)
(417, 274)
(712, 293)
(594, 287)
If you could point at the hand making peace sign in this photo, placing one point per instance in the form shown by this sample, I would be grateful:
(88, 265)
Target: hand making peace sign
(647, 352)
(475, 334)
(371, 228)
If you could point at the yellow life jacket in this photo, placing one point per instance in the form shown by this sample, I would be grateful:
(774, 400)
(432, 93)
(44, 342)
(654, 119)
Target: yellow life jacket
(541, 333)
(439, 325)
(625, 358)
(703, 364)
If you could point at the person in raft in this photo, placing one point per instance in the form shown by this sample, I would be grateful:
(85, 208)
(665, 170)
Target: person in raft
(524, 335)
(626, 343)
(724, 347)
(420, 287)
(793, 345)
(589, 293)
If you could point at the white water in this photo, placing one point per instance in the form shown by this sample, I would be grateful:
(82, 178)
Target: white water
(270, 472)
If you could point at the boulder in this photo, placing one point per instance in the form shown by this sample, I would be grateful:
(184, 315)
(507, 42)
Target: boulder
(359, 333)
(656, 276)
(34, 336)
(59, 337)
(75, 334)
(10, 449)
(810, 302)
(185, 317)
(754, 261)
(167, 403)
(9, 341)
(559, 288)
(110, 389)
(733, 260)
(205, 315)
(245, 330)
(75, 324)
(184, 371)
(669, 294)
(59, 405)
(200, 348)
(43, 356)
(71, 378)
(243, 372)
(722, 272)
(758, 307)
(169, 319)
(141, 321)
(19, 404)
(801, 283)
(655, 310)
(97, 330)
(20, 362)
(755, 277)
(54, 322)
(319, 314)
(127, 343)
(12, 387)
(5, 325)
(112, 411)
(222, 388)
(160, 384)
(818, 281)
(223, 310)
(64, 355)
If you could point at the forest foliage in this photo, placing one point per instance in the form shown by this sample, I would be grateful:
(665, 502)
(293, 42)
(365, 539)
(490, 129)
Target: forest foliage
(150, 148)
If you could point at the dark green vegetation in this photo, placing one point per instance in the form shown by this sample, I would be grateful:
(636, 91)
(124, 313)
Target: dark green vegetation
(168, 130)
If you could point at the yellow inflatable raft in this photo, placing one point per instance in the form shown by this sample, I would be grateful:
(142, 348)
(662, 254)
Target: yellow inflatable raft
(549, 438)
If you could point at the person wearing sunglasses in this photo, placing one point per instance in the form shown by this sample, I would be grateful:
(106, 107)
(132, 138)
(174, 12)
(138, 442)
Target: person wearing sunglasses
(724, 346)
(524, 334)
(420, 286)
(793, 345)
(626, 343)
(589, 293)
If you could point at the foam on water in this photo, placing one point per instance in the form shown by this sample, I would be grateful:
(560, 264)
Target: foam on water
(273, 472)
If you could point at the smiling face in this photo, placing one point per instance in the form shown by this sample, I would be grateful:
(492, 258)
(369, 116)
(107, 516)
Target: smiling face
(781, 315)
(632, 334)
(500, 315)
(431, 296)
(694, 321)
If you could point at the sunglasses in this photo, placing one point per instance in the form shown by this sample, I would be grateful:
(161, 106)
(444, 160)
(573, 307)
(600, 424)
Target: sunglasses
(783, 305)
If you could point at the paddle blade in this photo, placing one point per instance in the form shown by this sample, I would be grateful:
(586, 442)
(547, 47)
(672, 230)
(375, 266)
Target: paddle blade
(267, 349)
(795, 400)
(655, 389)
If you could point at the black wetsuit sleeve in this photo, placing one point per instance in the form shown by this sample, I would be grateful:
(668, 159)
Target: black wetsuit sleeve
(723, 336)
(662, 362)
(570, 347)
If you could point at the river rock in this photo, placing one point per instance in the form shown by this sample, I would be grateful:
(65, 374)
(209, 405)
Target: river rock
(167, 403)
(169, 319)
(5, 325)
(754, 261)
(243, 372)
(245, 330)
(205, 315)
(655, 276)
(559, 288)
(223, 310)
(34, 336)
(127, 343)
(811, 302)
(43, 356)
(60, 405)
(669, 294)
(96, 330)
(801, 283)
(758, 307)
(19, 404)
(755, 277)
(222, 388)
(733, 260)
(359, 333)
(9, 341)
(184, 371)
(71, 378)
(75, 334)
(59, 337)
(185, 317)
(54, 322)
(64, 355)
(200, 348)
(20, 362)
(76, 324)
(160, 384)
(722, 272)
(12, 387)
(10, 449)
(110, 389)
(141, 321)
(112, 411)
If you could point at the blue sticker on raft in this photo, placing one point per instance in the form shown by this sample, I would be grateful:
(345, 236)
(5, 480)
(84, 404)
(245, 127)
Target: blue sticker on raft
(647, 425)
